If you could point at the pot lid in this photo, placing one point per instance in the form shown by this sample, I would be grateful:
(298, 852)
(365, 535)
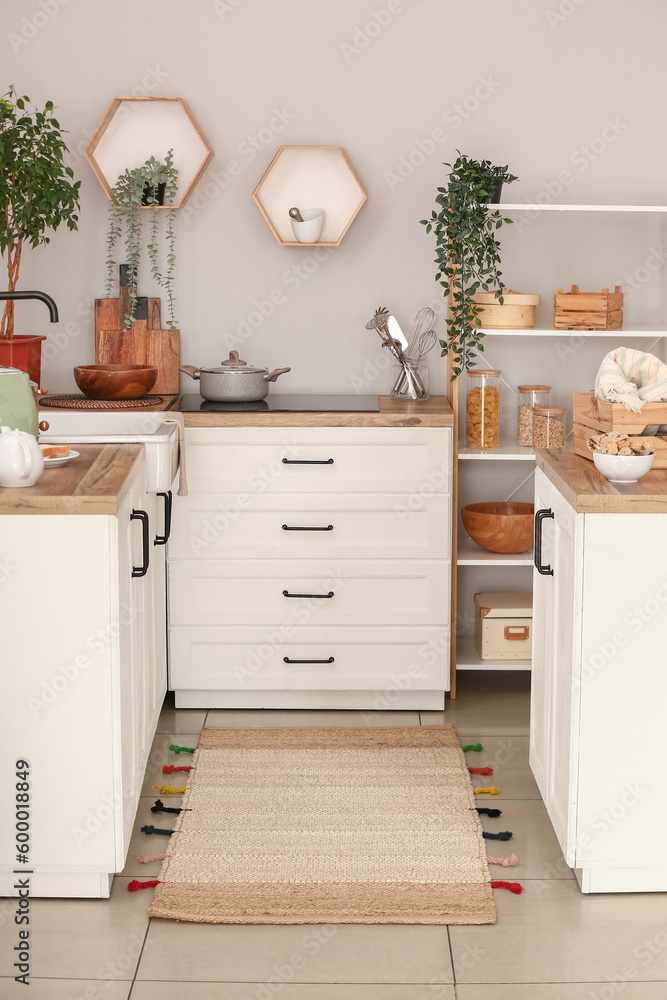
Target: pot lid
(234, 365)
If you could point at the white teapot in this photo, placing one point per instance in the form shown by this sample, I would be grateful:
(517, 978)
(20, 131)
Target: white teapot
(21, 460)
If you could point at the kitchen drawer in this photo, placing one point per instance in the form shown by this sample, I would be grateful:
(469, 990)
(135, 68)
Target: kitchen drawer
(356, 526)
(252, 460)
(251, 592)
(384, 660)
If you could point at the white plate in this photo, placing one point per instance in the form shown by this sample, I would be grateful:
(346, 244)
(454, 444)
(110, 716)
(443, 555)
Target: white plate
(50, 463)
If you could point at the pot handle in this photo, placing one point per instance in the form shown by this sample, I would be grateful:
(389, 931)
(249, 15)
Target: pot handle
(233, 359)
(190, 370)
(272, 376)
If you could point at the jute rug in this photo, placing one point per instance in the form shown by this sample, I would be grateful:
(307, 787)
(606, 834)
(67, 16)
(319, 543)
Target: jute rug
(327, 825)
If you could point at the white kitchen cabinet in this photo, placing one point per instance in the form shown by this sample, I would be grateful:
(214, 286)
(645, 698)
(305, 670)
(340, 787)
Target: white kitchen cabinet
(321, 556)
(84, 657)
(599, 687)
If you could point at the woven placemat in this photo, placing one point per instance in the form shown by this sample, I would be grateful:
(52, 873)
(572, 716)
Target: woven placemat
(76, 401)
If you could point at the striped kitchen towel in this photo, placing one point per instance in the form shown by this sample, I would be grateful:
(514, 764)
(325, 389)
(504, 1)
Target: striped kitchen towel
(632, 378)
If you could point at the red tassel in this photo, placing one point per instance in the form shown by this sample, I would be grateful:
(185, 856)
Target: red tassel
(515, 887)
(169, 769)
(134, 885)
(481, 770)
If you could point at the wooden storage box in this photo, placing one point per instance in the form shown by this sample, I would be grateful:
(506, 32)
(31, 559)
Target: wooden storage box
(504, 625)
(516, 313)
(599, 416)
(575, 310)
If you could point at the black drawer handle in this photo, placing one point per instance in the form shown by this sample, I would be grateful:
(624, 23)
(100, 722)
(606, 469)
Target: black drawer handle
(287, 527)
(168, 500)
(141, 515)
(322, 596)
(308, 461)
(286, 659)
(540, 515)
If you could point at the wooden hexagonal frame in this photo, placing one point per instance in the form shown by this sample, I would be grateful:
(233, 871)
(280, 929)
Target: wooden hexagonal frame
(153, 116)
(310, 177)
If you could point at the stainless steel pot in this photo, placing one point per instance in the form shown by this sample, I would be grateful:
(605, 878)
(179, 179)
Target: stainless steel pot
(233, 381)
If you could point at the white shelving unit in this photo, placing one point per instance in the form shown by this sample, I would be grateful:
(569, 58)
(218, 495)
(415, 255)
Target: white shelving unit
(468, 552)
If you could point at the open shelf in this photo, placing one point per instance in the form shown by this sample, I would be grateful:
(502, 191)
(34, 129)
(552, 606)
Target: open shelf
(552, 207)
(309, 177)
(467, 658)
(626, 332)
(469, 553)
(512, 452)
(136, 128)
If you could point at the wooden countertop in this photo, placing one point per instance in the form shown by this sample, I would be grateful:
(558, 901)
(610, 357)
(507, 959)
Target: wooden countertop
(590, 493)
(93, 483)
(433, 412)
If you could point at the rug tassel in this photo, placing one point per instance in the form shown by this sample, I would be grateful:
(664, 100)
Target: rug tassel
(170, 769)
(506, 835)
(134, 885)
(146, 859)
(159, 808)
(478, 791)
(168, 790)
(486, 812)
(182, 749)
(473, 746)
(505, 862)
(515, 887)
(154, 829)
(481, 770)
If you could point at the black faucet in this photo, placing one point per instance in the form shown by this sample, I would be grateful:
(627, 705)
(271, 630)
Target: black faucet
(42, 296)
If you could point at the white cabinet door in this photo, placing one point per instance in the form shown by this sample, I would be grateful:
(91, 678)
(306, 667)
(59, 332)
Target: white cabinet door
(557, 604)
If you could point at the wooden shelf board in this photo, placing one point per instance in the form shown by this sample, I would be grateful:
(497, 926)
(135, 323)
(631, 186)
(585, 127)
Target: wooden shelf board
(628, 331)
(467, 658)
(578, 208)
(469, 553)
(503, 453)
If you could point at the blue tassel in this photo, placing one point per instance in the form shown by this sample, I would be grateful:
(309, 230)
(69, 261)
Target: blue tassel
(153, 829)
(497, 836)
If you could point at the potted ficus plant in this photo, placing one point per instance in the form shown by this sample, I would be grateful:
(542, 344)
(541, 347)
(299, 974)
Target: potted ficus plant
(37, 195)
(153, 185)
(467, 251)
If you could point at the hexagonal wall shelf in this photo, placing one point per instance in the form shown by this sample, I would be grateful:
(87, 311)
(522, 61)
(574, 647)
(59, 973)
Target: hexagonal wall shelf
(136, 128)
(310, 177)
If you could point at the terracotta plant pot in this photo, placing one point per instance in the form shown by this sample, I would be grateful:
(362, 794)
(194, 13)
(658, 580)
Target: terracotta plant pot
(500, 527)
(115, 381)
(24, 352)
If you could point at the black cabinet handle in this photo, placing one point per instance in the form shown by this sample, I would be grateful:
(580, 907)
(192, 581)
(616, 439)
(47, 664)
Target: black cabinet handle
(287, 527)
(286, 659)
(540, 515)
(322, 596)
(168, 500)
(308, 461)
(141, 515)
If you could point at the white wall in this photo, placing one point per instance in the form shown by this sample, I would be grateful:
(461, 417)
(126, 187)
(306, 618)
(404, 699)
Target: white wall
(523, 82)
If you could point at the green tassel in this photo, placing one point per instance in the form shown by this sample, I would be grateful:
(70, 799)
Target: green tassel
(182, 749)
(471, 746)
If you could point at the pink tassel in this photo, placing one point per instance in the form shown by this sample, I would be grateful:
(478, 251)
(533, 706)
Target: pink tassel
(505, 862)
(514, 887)
(147, 858)
(134, 885)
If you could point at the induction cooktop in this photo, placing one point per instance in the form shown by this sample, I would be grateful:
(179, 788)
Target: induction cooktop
(279, 403)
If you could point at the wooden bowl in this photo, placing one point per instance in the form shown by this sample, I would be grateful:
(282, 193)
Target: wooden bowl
(500, 527)
(115, 381)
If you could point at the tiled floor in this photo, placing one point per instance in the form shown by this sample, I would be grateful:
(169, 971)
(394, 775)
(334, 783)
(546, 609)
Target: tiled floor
(551, 943)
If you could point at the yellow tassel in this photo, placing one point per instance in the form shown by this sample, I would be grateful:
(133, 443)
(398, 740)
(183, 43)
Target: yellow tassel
(167, 789)
(478, 791)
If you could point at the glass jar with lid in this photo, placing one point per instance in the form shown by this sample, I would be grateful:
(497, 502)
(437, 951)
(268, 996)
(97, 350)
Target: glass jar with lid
(483, 409)
(529, 396)
(548, 426)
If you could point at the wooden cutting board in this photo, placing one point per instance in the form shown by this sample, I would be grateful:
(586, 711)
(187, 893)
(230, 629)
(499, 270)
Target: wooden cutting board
(145, 343)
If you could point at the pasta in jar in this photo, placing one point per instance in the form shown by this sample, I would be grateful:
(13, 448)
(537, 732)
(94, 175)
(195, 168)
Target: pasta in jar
(483, 409)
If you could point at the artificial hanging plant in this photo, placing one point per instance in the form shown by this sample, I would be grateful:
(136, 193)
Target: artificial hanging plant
(140, 187)
(37, 190)
(467, 251)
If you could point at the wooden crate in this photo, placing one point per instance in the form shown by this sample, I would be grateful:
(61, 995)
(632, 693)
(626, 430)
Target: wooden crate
(575, 310)
(599, 416)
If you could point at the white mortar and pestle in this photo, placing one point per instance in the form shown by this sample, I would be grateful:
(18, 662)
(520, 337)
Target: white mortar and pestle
(307, 225)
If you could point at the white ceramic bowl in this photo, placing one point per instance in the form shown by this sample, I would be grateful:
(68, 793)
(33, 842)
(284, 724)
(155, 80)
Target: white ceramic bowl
(310, 229)
(623, 468)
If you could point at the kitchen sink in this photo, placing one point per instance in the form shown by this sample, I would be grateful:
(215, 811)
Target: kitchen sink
(159, 437)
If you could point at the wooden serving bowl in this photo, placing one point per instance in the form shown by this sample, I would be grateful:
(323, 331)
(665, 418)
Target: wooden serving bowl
(500, 527)
(115, 381)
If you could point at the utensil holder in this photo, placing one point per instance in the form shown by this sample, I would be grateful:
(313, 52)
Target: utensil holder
(409, 380)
